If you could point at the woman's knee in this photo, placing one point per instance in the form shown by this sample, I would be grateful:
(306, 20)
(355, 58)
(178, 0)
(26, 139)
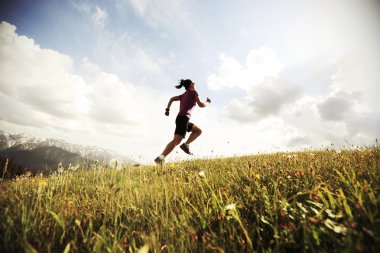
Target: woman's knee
(196, 129)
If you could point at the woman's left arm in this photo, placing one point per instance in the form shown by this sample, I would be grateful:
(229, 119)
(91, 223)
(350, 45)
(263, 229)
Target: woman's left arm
(202, 104)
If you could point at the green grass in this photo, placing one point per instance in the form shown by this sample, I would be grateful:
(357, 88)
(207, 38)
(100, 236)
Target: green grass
(323, 201)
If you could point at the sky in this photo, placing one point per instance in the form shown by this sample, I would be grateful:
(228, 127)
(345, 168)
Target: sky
(281, 75)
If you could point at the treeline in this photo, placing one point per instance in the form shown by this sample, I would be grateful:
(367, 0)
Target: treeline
(10, 169)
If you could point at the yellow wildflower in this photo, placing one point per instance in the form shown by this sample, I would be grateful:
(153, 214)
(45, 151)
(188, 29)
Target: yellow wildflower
(42, 183)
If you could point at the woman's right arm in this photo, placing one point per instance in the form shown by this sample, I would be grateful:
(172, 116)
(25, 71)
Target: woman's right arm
(175, 98)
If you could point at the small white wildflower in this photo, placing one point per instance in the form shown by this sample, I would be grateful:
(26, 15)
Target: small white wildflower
(355, 148)
(202, 173)
(340, 229)
(338, 151)
(289, 156)
(230, 207)
(60, 168)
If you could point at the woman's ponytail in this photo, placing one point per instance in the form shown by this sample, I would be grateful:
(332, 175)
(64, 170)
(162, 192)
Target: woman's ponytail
(180, 84)
(186, 83)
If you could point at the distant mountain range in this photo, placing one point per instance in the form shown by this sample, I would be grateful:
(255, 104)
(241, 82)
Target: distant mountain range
(26, 153)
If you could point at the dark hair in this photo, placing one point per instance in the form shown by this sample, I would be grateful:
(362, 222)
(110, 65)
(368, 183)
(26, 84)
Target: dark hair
(184, 82)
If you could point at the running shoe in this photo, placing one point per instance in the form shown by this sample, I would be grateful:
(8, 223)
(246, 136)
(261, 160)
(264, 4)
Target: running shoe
(160, 160)
(185, 147)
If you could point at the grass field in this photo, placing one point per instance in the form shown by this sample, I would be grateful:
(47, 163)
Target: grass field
(322, 201)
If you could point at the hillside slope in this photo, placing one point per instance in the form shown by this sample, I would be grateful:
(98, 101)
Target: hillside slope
(324, 201)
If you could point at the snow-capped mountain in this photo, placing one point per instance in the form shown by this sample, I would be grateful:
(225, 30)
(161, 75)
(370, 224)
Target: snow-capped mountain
(10, 140)
(24, 149)
(22, 141)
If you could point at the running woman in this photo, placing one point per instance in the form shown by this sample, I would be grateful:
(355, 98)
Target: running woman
(183, 125)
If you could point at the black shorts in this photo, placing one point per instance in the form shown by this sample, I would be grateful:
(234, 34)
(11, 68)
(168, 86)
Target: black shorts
(182, 125)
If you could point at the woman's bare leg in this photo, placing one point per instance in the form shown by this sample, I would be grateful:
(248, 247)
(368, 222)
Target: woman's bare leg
(171, 145)
(195, 132)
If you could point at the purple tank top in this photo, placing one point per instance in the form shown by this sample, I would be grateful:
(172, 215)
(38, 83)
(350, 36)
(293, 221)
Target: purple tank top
(187, 102)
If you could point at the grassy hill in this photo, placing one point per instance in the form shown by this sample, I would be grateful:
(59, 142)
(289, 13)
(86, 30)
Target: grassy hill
(326, 201)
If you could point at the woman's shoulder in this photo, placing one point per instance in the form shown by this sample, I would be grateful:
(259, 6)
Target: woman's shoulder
(191, 93)
(194, 92)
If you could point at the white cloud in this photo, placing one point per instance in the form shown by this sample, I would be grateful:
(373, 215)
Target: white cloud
(165, 13)
(336, 107)
(123, 55)
(140, 6)
(230, 73)
(351, 73)
(94, 13)
(262, 101)
(259, 78)
(305, 128)
(84, 8)
(240, 110)
(39, 76)
(110, 99)
(99, 16)
(353, 98)
(269, 97)
(40, 88)
(345, 111)
(261, 64)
